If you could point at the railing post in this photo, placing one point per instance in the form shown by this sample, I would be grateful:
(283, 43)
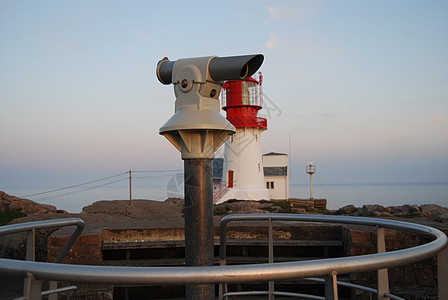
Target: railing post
(31, 245)
(442, 273)
(53, 285)
(271, 257)
(222, 256)
(331, 287)
(382, 274)
(30, 255)
(33, 288)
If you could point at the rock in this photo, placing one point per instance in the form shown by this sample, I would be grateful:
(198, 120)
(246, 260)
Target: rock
(346, 210)
(11, 203)
(298, 210)
(414, 209)
(240, 207)
(179, 202)
(136, 209)
(433, 210)
(374, 210)
(443, 218)
(399, 210)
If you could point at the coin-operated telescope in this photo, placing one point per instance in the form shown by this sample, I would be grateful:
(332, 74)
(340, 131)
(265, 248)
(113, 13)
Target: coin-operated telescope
(197, 128)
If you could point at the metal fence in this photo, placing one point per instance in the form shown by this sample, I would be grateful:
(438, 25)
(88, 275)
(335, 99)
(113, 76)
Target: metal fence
(330, 268)
(37, 272)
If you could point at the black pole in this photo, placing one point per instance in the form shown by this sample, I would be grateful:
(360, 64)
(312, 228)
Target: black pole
(199, 246)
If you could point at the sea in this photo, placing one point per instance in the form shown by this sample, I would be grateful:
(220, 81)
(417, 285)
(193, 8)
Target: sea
(161, 186)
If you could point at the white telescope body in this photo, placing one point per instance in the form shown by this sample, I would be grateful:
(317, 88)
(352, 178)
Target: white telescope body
(197, 129)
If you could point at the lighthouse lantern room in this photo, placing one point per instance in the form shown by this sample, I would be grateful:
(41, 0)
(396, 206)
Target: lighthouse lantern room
(243, 176)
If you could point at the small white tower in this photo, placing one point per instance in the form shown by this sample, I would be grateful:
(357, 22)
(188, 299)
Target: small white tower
(243, 176)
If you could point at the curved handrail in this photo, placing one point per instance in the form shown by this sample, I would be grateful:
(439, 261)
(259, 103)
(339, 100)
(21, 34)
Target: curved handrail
(79, 223)
(240, 273)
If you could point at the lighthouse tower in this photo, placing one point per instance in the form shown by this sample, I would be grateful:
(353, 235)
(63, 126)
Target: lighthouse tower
(243, 176)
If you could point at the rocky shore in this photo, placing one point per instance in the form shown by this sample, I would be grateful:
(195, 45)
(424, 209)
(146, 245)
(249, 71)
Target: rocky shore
(10, 203)
(432, 212)
(171, 209)
(169, 214)
(144, 218)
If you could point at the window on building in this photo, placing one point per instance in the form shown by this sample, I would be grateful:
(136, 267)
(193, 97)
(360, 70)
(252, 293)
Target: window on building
(270, 185)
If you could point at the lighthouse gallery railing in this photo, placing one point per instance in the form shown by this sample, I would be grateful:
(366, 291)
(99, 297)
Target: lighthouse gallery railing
(235, 273)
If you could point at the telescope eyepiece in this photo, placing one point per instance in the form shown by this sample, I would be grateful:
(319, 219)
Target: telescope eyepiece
(164, 70)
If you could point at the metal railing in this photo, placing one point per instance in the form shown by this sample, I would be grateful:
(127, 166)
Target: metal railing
(32, 287)
(262, 122)
(340, 265)
(219, 190)
(328, 268)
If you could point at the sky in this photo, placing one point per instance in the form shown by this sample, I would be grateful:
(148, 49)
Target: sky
(359, 87)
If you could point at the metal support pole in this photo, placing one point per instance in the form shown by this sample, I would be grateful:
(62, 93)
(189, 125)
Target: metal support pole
(382, 274)
(199, 241)
(311, 169)
(311, 186)
(130, 185)
(331, 287)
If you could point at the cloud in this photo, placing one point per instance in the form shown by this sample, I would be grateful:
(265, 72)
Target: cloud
(294, 12)
(437, 120)
(275, 13)
(272, 41)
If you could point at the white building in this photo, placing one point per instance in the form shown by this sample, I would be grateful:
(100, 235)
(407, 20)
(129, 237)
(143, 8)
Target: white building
(276, 175)
(243, 175)
(243, 169)
(246, 174)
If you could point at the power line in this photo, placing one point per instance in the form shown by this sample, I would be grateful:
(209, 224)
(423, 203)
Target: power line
(157, 171)
(76, 185)
(101, 179)
(83, 190)
(152, 177)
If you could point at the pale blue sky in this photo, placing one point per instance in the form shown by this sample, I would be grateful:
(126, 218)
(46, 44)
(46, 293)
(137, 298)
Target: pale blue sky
(361, 87)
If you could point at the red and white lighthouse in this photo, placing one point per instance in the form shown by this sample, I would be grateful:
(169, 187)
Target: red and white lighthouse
(243, 176)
